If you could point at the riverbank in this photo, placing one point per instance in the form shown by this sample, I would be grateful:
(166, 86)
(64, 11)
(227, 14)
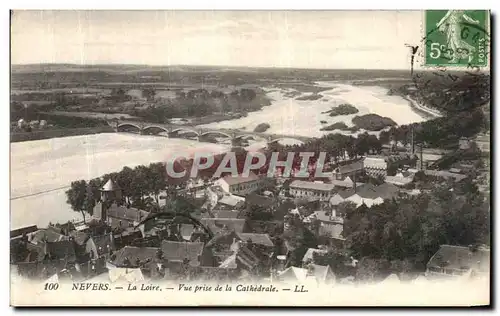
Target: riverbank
(55, 133)
(421, 109)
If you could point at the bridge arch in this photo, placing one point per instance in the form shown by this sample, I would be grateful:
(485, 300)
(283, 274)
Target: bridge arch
(216, 133)
(127, 126)
(153, 129)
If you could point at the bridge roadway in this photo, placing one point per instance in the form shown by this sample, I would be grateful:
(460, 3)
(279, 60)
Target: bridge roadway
(175, 130)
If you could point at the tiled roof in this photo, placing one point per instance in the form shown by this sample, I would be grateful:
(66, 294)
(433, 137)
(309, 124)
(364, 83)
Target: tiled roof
(322, 216)
(186, 231)
(47, 235)
(445, 174)
(223, 238)
(310, 254)
(23, 230)
(243, 257)
(128, 214)
(384, 191)
(79, 237)
(309, 185)
(259, 200)
(240, 179)
(178, 251)
(344, 183)
(217, 224)
(231, 200)
(333, 231)
(462, 258)
(350, 167)
(133, 253)
(336, 199)
(259, 239)
(347, 192)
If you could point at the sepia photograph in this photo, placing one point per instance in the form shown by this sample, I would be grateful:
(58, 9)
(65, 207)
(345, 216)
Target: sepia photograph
(250, 158)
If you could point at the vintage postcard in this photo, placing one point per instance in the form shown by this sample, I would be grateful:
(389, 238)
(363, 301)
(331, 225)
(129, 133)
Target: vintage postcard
(250, 158)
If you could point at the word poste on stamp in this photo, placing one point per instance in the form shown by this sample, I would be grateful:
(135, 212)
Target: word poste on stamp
(456, 38)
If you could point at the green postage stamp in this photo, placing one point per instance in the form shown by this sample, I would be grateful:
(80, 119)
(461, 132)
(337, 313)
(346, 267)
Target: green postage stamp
(457, 38)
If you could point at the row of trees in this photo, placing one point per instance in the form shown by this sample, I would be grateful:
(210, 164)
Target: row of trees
(411, 228)
(461, 99)
(140, 186)
(200, 102)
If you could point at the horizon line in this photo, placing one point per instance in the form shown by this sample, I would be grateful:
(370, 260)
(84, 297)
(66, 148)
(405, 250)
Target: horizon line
(200, 65)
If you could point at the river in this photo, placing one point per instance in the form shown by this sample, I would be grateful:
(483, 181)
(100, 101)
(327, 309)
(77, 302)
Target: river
(42, 170)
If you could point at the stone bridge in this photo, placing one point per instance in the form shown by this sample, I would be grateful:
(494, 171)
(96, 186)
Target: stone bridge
(198, 133)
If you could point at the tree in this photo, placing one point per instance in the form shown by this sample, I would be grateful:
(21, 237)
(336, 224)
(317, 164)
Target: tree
(93, 194)
(157, 175)
(125, 181)
(77, 196)
(148, 93)
(337, 259)
(372, 270)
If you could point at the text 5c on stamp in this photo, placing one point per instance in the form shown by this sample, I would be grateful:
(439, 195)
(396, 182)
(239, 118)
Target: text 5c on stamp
(456, 38)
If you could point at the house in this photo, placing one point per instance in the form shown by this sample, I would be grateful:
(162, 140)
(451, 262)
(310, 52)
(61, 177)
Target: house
(341, 196)
(79, 237)
(311, 190)
(221, 243)
(453, 261)
(133, 257)
(61, 250)
(99, 246)
(225, 213)
(347, 183)
(19, 232)
(118, 216)
(47, 235)
(314, 274)
(192, 252)
(258, 239)
(309, 256)
(111, 211)
(241, 185)
(457, 177)
(218, 224)
(370, 194)
(242, 258)
(350, 169)
(260, 201)
(483, 142)
(231, 202)
(192, 233)
(400, 179)
(376, 166)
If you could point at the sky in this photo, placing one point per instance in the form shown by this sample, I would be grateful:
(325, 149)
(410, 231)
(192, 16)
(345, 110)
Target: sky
(298, 39)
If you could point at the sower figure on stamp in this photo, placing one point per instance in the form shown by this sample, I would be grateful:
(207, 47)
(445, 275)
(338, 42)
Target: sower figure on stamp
(450, 26)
